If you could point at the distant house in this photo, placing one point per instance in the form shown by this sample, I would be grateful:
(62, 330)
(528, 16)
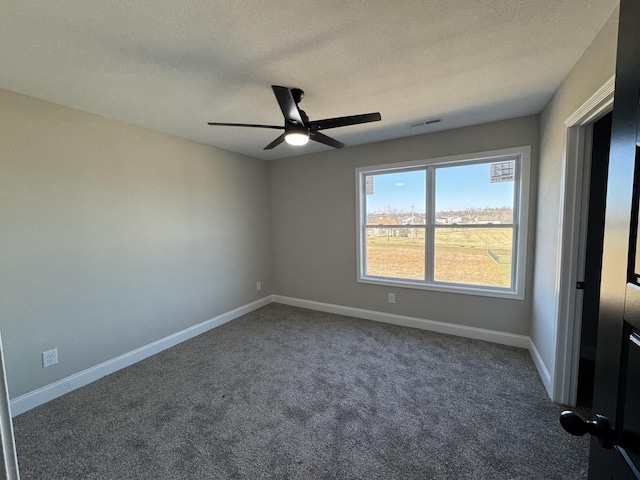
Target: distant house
(394, 232)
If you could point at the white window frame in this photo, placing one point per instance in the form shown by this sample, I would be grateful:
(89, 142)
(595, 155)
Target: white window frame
(522, 155)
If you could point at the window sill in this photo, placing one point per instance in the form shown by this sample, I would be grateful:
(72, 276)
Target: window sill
(445, 288)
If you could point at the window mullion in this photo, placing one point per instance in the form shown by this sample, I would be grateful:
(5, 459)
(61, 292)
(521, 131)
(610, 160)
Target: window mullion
(430, 220)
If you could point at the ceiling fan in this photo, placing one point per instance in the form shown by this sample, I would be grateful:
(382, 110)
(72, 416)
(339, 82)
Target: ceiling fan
(298, 129)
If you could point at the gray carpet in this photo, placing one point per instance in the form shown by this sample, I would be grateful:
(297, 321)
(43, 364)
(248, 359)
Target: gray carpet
(285, 393)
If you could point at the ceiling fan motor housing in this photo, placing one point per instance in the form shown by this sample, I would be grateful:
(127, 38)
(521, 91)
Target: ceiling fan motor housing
(297, 94)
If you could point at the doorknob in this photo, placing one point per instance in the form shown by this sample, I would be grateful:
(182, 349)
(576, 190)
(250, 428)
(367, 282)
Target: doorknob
(599, 428)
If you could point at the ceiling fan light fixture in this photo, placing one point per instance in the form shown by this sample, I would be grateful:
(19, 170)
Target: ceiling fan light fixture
(296, 135)
(296, 138)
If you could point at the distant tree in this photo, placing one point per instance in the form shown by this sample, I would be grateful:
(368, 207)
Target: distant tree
(394, 214)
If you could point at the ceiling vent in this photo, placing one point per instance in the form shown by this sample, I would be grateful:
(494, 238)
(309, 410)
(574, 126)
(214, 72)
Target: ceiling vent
(423, 123)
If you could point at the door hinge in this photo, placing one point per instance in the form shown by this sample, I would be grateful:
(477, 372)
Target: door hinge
(580, 285)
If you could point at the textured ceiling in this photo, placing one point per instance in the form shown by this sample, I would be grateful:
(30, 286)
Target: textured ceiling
(173, 65)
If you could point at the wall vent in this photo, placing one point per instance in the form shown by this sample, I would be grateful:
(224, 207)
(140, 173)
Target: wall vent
(423, 123)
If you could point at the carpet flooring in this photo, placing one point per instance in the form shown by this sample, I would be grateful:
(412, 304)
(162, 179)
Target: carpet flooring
(289, 393)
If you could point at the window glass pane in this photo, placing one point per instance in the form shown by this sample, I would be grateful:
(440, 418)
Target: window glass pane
(444, 223)
(396, 198)
(475, 194)
(395, 252)
(475, 256)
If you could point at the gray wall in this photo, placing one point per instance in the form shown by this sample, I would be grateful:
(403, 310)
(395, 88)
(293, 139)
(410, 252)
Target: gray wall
(593, 69)
(114, 236)
(314, 227)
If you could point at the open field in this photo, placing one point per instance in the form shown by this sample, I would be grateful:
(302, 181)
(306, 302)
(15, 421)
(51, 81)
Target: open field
(462, 256)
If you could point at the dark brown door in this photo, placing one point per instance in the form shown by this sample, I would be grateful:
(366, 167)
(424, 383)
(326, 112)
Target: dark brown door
(617, 382)
(615, 428)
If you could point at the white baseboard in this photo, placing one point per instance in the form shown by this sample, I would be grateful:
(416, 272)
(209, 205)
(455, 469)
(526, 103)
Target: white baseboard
(44, 394)
(493, 336)
(545, 376)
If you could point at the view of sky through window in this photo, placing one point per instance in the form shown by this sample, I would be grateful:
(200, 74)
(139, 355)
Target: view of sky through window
(457, 189)
(470, 187)
(398, 191)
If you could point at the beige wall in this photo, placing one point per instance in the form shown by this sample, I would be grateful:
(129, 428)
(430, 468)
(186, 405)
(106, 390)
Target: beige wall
(593, 69)
(114, 236)
(314, 227)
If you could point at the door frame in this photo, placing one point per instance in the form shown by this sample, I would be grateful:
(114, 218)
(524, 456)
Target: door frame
(9, 457)
(571, 247)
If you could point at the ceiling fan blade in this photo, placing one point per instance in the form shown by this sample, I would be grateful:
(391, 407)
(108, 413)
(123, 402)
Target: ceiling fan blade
(275, 143)
(344, 121)
(287, 104)
(322, 138)
(250, 125)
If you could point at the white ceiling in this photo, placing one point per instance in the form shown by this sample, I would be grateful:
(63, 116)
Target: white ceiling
(173, 65)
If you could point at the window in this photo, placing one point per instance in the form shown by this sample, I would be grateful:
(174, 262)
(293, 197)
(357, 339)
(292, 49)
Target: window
(452, 224)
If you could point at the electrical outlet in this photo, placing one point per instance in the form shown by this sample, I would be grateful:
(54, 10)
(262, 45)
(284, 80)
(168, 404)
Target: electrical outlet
(392, 298)
(258, 286)
(50, 357)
